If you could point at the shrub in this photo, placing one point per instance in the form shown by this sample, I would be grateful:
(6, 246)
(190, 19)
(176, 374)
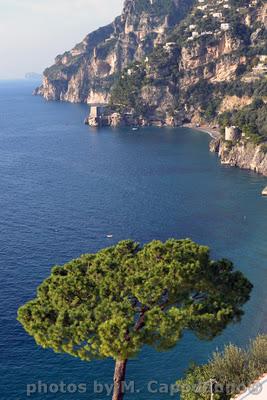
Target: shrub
(232, 369)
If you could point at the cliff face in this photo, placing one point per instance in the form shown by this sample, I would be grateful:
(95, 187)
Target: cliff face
(212, 61)
(243, 154)
(169, 61)
(87, 72)
(182, 69)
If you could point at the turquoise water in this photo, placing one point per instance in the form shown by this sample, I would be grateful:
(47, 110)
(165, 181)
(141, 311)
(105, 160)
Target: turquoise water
(64, 187)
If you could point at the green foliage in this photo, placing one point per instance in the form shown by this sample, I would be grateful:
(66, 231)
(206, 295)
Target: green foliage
(238, 88)
(252, 120)
(162, 69)
(111, 303)
(241, 31)
(159, 70)
(158, 58)
(241, 69)
(210, 112)
(200, 93)
(161, 8)
(232, 369)
(125, 93)
(239, 3)
(207, 24)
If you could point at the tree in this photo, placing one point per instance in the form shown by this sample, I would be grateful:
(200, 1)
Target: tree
(112, 303)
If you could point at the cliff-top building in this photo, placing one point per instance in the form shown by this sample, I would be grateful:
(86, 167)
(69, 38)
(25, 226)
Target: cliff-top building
(232, 133)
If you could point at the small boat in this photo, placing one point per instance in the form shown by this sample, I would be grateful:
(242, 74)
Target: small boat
(135, 128)
(264, 192)
(109, 236)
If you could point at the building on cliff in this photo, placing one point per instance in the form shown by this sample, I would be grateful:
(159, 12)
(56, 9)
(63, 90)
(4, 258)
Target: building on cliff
(232, 133)
(97, 115)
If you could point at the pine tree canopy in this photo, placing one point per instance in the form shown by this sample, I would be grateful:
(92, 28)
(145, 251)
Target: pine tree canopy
(112, 303)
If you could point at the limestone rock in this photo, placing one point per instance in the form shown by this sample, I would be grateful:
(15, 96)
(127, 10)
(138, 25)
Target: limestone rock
(86, 73)
(244, 154)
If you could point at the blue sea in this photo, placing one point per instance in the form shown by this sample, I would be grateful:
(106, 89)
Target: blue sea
(65, 187)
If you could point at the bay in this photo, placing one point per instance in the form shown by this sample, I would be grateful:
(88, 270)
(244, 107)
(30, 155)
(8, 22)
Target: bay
(65, 187)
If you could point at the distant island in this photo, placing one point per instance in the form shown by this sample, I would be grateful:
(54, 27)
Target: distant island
(33, 76)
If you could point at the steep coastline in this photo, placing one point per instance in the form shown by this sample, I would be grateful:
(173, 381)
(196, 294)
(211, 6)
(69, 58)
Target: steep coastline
(173, 63)
(212, 62)
(86, 73)
(244, 154)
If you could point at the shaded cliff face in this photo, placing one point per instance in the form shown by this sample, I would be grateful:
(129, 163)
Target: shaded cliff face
(87, 72)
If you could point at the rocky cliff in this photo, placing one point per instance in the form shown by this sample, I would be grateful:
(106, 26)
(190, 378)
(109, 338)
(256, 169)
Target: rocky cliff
(244, 154)
(169, 61)
(212, 61)
(87, 72)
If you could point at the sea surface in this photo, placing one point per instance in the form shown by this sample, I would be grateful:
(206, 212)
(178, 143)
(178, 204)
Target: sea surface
(65, 187)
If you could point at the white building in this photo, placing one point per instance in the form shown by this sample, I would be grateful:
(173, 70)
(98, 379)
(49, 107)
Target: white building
(225, 26)
(195, 34)
(192, 27)
(232, 133)
(257, 391)
(217, 15)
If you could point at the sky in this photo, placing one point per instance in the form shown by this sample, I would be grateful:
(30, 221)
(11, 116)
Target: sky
(34, 32)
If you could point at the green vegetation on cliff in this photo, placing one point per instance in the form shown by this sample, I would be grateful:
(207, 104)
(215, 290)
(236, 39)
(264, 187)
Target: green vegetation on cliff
(170, 60)
(230, 371)
(106, 52)
(252, 120)
(125, 93)
(157, 7)
(184, 69)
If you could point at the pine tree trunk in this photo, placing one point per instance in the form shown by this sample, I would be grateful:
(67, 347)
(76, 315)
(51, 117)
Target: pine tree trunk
(119, 379)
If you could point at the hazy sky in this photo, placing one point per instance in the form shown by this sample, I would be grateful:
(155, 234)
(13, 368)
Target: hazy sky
(33, 32)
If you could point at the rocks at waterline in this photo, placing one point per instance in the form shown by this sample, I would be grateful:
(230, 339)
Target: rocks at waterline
(243, 154)
(236, 150)
(103, 115)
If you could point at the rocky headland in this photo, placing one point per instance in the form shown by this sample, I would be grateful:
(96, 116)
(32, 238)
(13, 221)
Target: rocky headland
(87, 72)
(175, 62)
(243, 154)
